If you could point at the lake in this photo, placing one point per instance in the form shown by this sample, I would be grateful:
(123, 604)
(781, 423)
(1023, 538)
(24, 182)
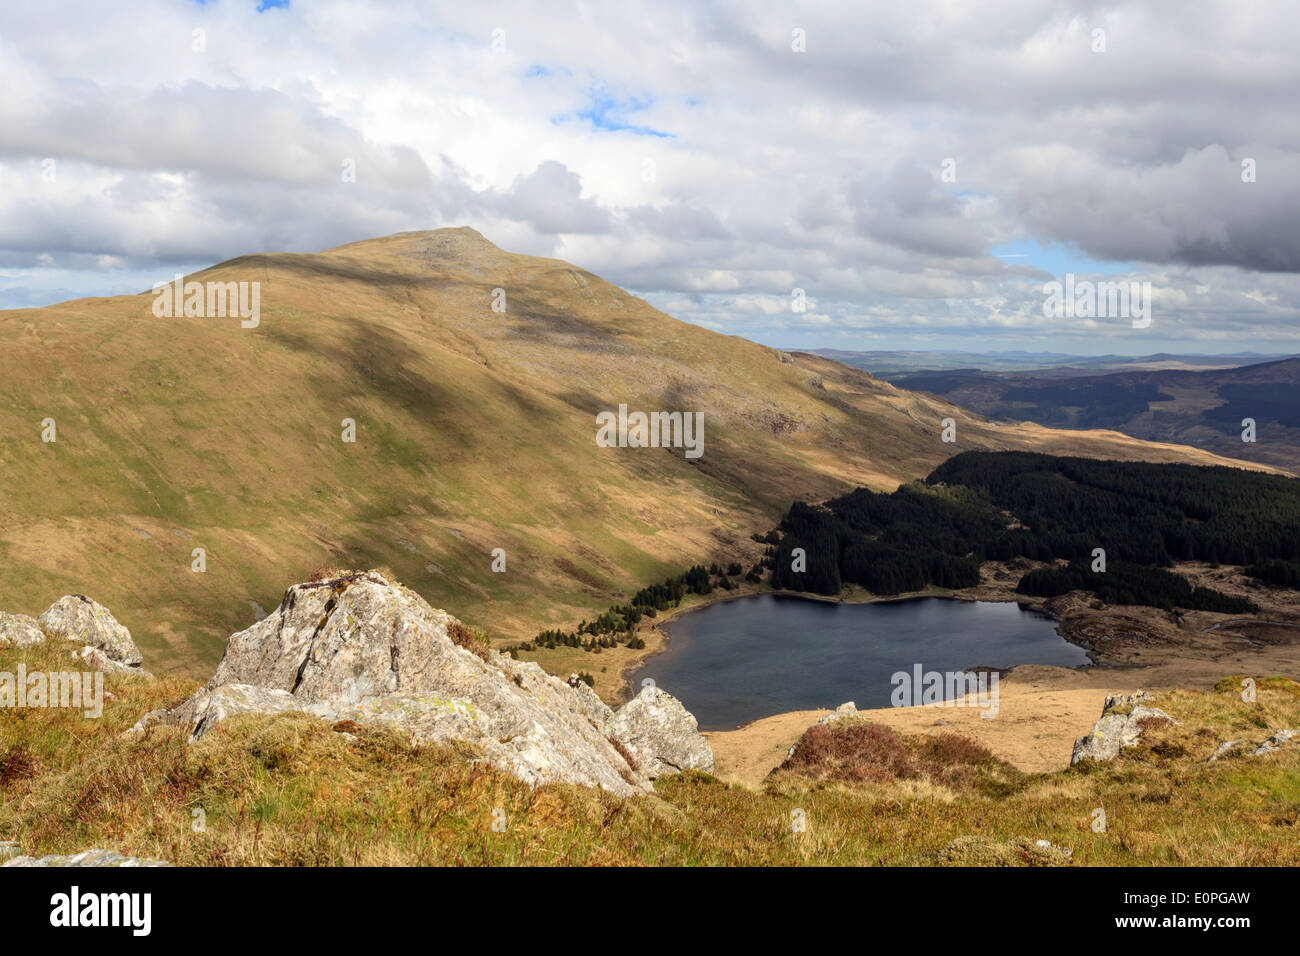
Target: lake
(735, 661)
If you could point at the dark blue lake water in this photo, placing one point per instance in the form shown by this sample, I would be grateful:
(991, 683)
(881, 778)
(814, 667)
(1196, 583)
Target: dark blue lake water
(736, 661)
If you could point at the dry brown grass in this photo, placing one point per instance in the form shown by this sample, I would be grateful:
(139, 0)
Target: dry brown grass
(292, 790)
(466, 638)
(856, 751)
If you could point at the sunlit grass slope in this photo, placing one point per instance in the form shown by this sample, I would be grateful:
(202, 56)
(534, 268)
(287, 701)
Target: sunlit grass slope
(475, 430)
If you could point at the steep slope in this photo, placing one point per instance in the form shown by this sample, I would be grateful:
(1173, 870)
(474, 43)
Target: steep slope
(475, 430)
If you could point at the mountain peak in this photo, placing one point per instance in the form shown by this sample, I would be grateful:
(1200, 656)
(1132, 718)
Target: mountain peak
(448, 241)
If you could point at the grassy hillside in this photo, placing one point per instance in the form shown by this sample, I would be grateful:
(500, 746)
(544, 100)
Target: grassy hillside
(289, 790)
(475, 431)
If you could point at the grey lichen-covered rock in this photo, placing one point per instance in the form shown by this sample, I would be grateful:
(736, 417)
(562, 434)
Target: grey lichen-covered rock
(359, 648)
(208, 708)
(85, 858)
(1118, 702)
(661, 735)
(1274, 743)
(589, 702)
(75, 617)
(96, 659)
(846, 711)
(1225, 748)
(19, 630)
(1120, 726)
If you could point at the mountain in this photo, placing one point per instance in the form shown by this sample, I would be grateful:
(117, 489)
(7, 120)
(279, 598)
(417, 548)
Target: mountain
(475, 430)
(1200, 408)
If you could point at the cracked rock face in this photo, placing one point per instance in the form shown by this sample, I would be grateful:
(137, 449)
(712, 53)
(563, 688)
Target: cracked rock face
(75, 617)
(1115, 731)
(361, 649)
(661, 734)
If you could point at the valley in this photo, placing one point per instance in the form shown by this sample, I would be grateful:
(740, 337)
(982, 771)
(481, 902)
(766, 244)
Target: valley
(381, 414)
(475, 430)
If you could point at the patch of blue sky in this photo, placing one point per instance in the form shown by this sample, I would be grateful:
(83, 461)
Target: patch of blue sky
(1057, 258)
(262, 5)
(537, 71)
(611, 114)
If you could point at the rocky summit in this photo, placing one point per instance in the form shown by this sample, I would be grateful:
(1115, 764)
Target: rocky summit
(358, 648)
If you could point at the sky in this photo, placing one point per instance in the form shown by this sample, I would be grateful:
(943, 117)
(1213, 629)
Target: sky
(911, 174)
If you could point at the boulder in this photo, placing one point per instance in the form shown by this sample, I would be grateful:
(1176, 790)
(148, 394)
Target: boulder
(75, 617)
(85, 858)
(1120, 726)
(661, 735)
(359, 648)
(19, 630)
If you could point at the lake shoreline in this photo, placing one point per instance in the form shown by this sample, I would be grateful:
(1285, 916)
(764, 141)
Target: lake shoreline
(1149, 646)
(743, 648)
(662, 640)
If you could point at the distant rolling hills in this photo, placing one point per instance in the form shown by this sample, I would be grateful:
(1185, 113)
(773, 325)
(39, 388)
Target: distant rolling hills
(475, 431)
(1202, 408)
(889, 364)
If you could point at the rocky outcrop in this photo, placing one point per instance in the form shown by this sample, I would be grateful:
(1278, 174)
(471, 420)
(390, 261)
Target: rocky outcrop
(106, 644)
(846, 711)
(661, 735)
(358, 648)
(1122, 722)
(75, 617)
(19, 630)
(85, 858)
(1274, 743)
